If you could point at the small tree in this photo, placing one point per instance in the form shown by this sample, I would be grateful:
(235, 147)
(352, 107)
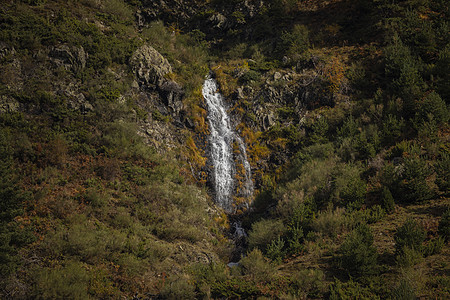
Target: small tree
(413, 186)
(358, 255)
(387, 200)
(444, 225)
(410, 235)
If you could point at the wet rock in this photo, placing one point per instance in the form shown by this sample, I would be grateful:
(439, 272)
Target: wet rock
(150, 66)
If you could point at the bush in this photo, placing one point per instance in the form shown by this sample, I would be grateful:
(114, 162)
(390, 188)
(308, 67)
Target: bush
(350, 290)
(404, 291)
(402, 74)
(264, 232)
(408, 257)
(409, 182)
(249, 76)
(308, 283)
(257, 267)
(349, 189)
(442, 168)
(178, 287)
(444, 225)
(387, 200)
(414, 186)
(65, 282)
(295, 43)
(410, 235)
(432, 107)
(275, 250)
(330, 222)
(434, 246)
(392, 129)
(365, 216)
(357, 254)
(318, 131)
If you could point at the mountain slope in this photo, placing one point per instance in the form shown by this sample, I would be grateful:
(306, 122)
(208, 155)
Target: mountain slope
(105, 188)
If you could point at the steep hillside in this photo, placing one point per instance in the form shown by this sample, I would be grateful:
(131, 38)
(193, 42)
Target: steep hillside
(105, 182)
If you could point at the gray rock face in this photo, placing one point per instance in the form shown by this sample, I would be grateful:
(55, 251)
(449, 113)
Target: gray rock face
(8, 105)
(172, 95)
(218, 20)
(150, 66)
(268, 121)
(70, 58)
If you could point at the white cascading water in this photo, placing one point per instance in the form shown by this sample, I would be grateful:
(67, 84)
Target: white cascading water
(221, 139)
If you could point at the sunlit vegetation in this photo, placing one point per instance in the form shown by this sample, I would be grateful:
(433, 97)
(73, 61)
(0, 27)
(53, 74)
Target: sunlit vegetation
(343, 107)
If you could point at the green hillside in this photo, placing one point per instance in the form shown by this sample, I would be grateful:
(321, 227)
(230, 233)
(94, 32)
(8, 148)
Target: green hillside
(105, 183)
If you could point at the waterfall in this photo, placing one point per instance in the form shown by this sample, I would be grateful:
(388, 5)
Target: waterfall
(221, 153)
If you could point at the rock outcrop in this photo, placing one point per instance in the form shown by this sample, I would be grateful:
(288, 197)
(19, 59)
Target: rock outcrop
(149, 66)
(150, 69)
(70, 58)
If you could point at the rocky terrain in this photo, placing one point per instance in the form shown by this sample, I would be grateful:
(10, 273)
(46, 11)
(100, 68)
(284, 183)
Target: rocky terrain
(105, 175)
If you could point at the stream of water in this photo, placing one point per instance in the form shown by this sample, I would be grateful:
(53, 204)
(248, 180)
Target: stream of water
(222, 155)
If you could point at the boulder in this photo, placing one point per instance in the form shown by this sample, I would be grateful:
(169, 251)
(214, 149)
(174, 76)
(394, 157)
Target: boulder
(277, 76)
(150, 66)
(218, 20)
(8, 104)
(239, 93)
(73, 58)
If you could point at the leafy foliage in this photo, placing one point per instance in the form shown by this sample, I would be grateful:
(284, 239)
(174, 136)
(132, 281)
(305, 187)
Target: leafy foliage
(358, 255)
(410, 235)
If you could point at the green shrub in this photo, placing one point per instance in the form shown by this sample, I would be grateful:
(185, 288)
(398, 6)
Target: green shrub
(95, 199)
(404, 291)
(330, 222)
(410, 235)
(249, 76)
(308, 283)
(365, 216)
(348, 188)
(264, 232)
(387, 200)
(318, 131)
(275, 250)
(444, 225)
(358, 256)
(414, 186)
(392, 129)
(407, 257)
(294, 237)
(350, 290)
(442, 168)
(402, 74)
(434, 246)
(69, 281)
(208, 273)
(432, 107)
(257, 267)
(294, 43)
(349, 128)
(178, 287)
(409, 182)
